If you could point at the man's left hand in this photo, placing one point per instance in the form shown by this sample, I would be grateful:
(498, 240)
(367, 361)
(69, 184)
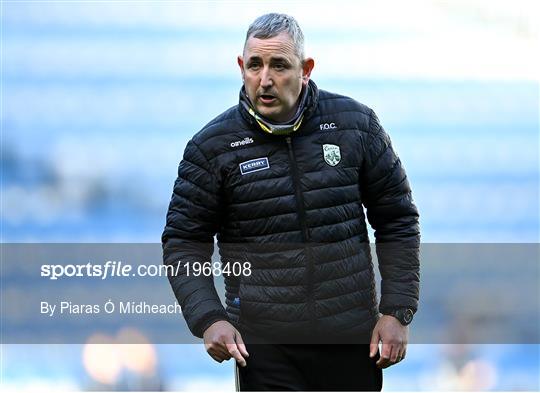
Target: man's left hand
(394, 337)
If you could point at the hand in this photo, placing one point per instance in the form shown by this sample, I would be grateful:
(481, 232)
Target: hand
(394, 337)
(222, 341)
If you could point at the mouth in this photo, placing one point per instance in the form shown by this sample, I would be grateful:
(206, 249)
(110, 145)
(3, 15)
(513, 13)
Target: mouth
(267, 99)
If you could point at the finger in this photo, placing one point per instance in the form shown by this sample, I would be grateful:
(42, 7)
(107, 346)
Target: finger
(373, 346)
(219, 351)
(394, 355)
(241, 345)
(386, 350)
(224, 355)
(215, 357)
(402, 353)
(235, 352)
(384, 360)
(383, 363)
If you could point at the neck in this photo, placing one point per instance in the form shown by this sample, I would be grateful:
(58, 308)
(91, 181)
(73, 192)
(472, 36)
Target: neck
(278, 128)
(304, 102)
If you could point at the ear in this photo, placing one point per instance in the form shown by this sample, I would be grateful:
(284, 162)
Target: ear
(240, 61)
(307, 67)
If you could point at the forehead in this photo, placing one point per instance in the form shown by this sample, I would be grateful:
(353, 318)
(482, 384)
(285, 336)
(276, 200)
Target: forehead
(278, 46)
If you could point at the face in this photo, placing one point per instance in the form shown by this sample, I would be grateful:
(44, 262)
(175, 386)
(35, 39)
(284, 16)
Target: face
(274, 75)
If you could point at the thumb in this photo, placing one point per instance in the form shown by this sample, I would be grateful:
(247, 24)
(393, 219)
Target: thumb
(373, 346)
(240, 344)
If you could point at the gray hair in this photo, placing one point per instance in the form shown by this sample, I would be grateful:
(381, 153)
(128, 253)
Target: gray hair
(270, 25)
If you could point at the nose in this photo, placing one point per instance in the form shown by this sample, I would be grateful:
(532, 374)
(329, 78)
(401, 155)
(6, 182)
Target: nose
(266, 78)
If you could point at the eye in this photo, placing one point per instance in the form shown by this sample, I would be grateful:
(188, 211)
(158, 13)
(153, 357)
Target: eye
(254, 66)
(279, 66)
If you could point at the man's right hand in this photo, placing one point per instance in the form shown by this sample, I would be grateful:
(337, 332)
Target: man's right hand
(222, 341)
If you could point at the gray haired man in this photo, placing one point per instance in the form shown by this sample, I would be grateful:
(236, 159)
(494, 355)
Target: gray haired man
(282, 179)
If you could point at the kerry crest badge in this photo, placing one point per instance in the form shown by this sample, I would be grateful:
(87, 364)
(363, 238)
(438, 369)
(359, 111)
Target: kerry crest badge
(332, 154)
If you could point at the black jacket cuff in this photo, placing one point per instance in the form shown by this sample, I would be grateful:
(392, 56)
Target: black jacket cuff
(207, 321)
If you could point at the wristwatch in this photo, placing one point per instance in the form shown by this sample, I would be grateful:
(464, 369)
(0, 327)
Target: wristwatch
(403, 315)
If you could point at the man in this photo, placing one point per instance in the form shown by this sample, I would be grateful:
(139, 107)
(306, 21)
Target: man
(281, 179)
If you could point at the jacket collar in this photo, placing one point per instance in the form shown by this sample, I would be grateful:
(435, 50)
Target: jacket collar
(308, 104)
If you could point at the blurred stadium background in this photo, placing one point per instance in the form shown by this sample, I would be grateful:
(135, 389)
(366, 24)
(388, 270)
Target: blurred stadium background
(99, 99)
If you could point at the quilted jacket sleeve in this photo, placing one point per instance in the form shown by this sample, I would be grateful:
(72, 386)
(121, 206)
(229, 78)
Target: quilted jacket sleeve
(192, 221)
(394, 217)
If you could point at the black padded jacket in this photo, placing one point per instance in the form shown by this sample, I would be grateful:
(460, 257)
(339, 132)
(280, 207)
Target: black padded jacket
(292, 206)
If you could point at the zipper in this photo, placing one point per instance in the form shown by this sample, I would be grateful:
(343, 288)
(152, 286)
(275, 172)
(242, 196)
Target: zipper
(305, 232)
(298, 191)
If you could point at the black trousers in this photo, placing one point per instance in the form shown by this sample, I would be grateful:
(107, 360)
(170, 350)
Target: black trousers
(309, 367)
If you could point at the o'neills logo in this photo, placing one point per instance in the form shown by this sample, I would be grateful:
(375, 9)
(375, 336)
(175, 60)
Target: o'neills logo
(245, 141)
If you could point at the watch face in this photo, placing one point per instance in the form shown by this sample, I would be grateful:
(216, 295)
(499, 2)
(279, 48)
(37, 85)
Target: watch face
(407, 316)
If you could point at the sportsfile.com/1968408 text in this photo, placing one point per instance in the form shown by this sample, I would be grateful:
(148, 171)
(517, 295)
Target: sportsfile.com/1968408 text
(111, 269)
